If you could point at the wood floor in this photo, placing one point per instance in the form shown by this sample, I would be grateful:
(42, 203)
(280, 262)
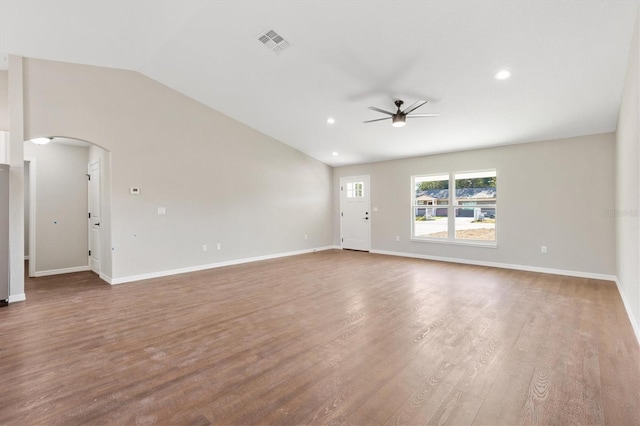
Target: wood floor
(331, 337)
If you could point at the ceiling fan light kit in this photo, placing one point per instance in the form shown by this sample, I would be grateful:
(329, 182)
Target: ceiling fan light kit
(41, 141)
(399, 118)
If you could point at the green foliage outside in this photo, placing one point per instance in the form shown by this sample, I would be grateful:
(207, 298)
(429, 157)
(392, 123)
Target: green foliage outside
(488, 182)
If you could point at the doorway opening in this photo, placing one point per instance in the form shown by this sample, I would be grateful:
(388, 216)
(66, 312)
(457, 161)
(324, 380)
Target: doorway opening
(62, 235)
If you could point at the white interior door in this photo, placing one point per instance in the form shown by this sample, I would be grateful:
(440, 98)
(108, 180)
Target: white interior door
(94, 217)
(355, 209)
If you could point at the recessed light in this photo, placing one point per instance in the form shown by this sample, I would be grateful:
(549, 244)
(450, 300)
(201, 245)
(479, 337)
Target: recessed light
(334, 153)
(330, 120)
(502, 75)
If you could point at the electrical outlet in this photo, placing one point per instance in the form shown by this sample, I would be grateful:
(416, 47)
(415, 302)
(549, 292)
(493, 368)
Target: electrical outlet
(162, 210)
(543, 249)
(219, 246)
(204, 247)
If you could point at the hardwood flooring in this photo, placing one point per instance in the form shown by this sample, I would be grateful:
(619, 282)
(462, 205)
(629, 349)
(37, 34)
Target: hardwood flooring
(332, 337)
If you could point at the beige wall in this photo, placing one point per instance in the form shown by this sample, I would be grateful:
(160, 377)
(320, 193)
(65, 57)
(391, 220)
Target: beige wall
(61, 206)
(553, 193)
(219, 180)
(4, 101)
(628, 187)
(4, 116)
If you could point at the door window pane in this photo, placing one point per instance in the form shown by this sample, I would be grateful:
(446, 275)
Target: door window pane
(355, 189)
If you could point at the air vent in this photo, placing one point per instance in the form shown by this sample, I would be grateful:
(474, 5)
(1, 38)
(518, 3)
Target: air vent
(274, 41)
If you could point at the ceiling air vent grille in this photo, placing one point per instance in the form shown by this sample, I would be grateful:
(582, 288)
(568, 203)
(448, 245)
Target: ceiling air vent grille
(274, 41)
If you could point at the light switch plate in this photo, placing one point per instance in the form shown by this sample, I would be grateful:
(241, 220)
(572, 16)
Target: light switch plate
(162, 210)
(134, 191)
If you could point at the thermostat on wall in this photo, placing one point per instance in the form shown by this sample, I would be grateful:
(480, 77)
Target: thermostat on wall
(134, 191)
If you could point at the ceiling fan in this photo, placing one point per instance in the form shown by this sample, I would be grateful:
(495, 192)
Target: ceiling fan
(398, 119)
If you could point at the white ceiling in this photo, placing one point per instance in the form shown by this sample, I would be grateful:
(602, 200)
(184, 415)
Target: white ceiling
(568, 60)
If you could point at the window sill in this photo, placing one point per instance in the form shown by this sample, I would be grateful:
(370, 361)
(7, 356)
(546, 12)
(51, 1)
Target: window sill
(492, 245)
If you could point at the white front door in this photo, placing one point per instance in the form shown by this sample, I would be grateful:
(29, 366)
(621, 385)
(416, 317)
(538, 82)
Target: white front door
(94, 217)
(355, 213)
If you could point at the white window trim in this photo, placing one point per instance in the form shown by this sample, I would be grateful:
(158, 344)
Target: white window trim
(451, 206)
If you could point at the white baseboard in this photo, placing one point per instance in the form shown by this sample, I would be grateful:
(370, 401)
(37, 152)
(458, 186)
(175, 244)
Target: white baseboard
(61, 271)
(578, 274)
(17, 298)
(625, 302)
(131, 278)
(105, 278)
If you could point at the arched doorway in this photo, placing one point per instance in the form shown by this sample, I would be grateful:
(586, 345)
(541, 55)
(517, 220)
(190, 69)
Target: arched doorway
(62, 237)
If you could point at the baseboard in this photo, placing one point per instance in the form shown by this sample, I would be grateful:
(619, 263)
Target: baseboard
(159, 274)
(106, 278)
(578, 274)
(61, 271)
(17, 298)
(625, 302)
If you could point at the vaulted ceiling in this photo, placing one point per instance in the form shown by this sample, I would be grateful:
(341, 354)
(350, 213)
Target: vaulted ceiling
(567, 61)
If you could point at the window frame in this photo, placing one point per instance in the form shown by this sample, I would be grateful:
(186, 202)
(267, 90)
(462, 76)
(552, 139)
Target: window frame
(452, 207)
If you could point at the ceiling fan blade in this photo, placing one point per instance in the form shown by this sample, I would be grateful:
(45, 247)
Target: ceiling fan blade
(381, 110)
(377, 119)
(413, 107)
(422, 115)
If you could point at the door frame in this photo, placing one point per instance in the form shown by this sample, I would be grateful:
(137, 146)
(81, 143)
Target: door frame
(32, 215)
(368, 190)
(89, 264)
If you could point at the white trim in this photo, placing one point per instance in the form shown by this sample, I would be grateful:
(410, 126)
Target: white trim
(634, 322)
(26, 258)
(89, 194)
(122, 280)
(61, 271)
(578, 274)
(473, 243)
(17, 298)
(32, 215)
(105, 277)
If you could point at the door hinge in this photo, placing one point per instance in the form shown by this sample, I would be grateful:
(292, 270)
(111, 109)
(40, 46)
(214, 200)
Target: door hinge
(88, 176)
(341, 214)
(89, 252)
(341, 189)
(342, 239)
(89, 215)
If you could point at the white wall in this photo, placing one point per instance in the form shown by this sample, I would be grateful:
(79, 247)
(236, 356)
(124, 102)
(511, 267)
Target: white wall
(628, 187)
(219, 180)
(61, 206)
(554, 193)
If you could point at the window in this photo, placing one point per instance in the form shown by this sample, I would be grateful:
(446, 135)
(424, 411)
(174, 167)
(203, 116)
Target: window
(465, 214)
(355, 189)
(431, 206)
